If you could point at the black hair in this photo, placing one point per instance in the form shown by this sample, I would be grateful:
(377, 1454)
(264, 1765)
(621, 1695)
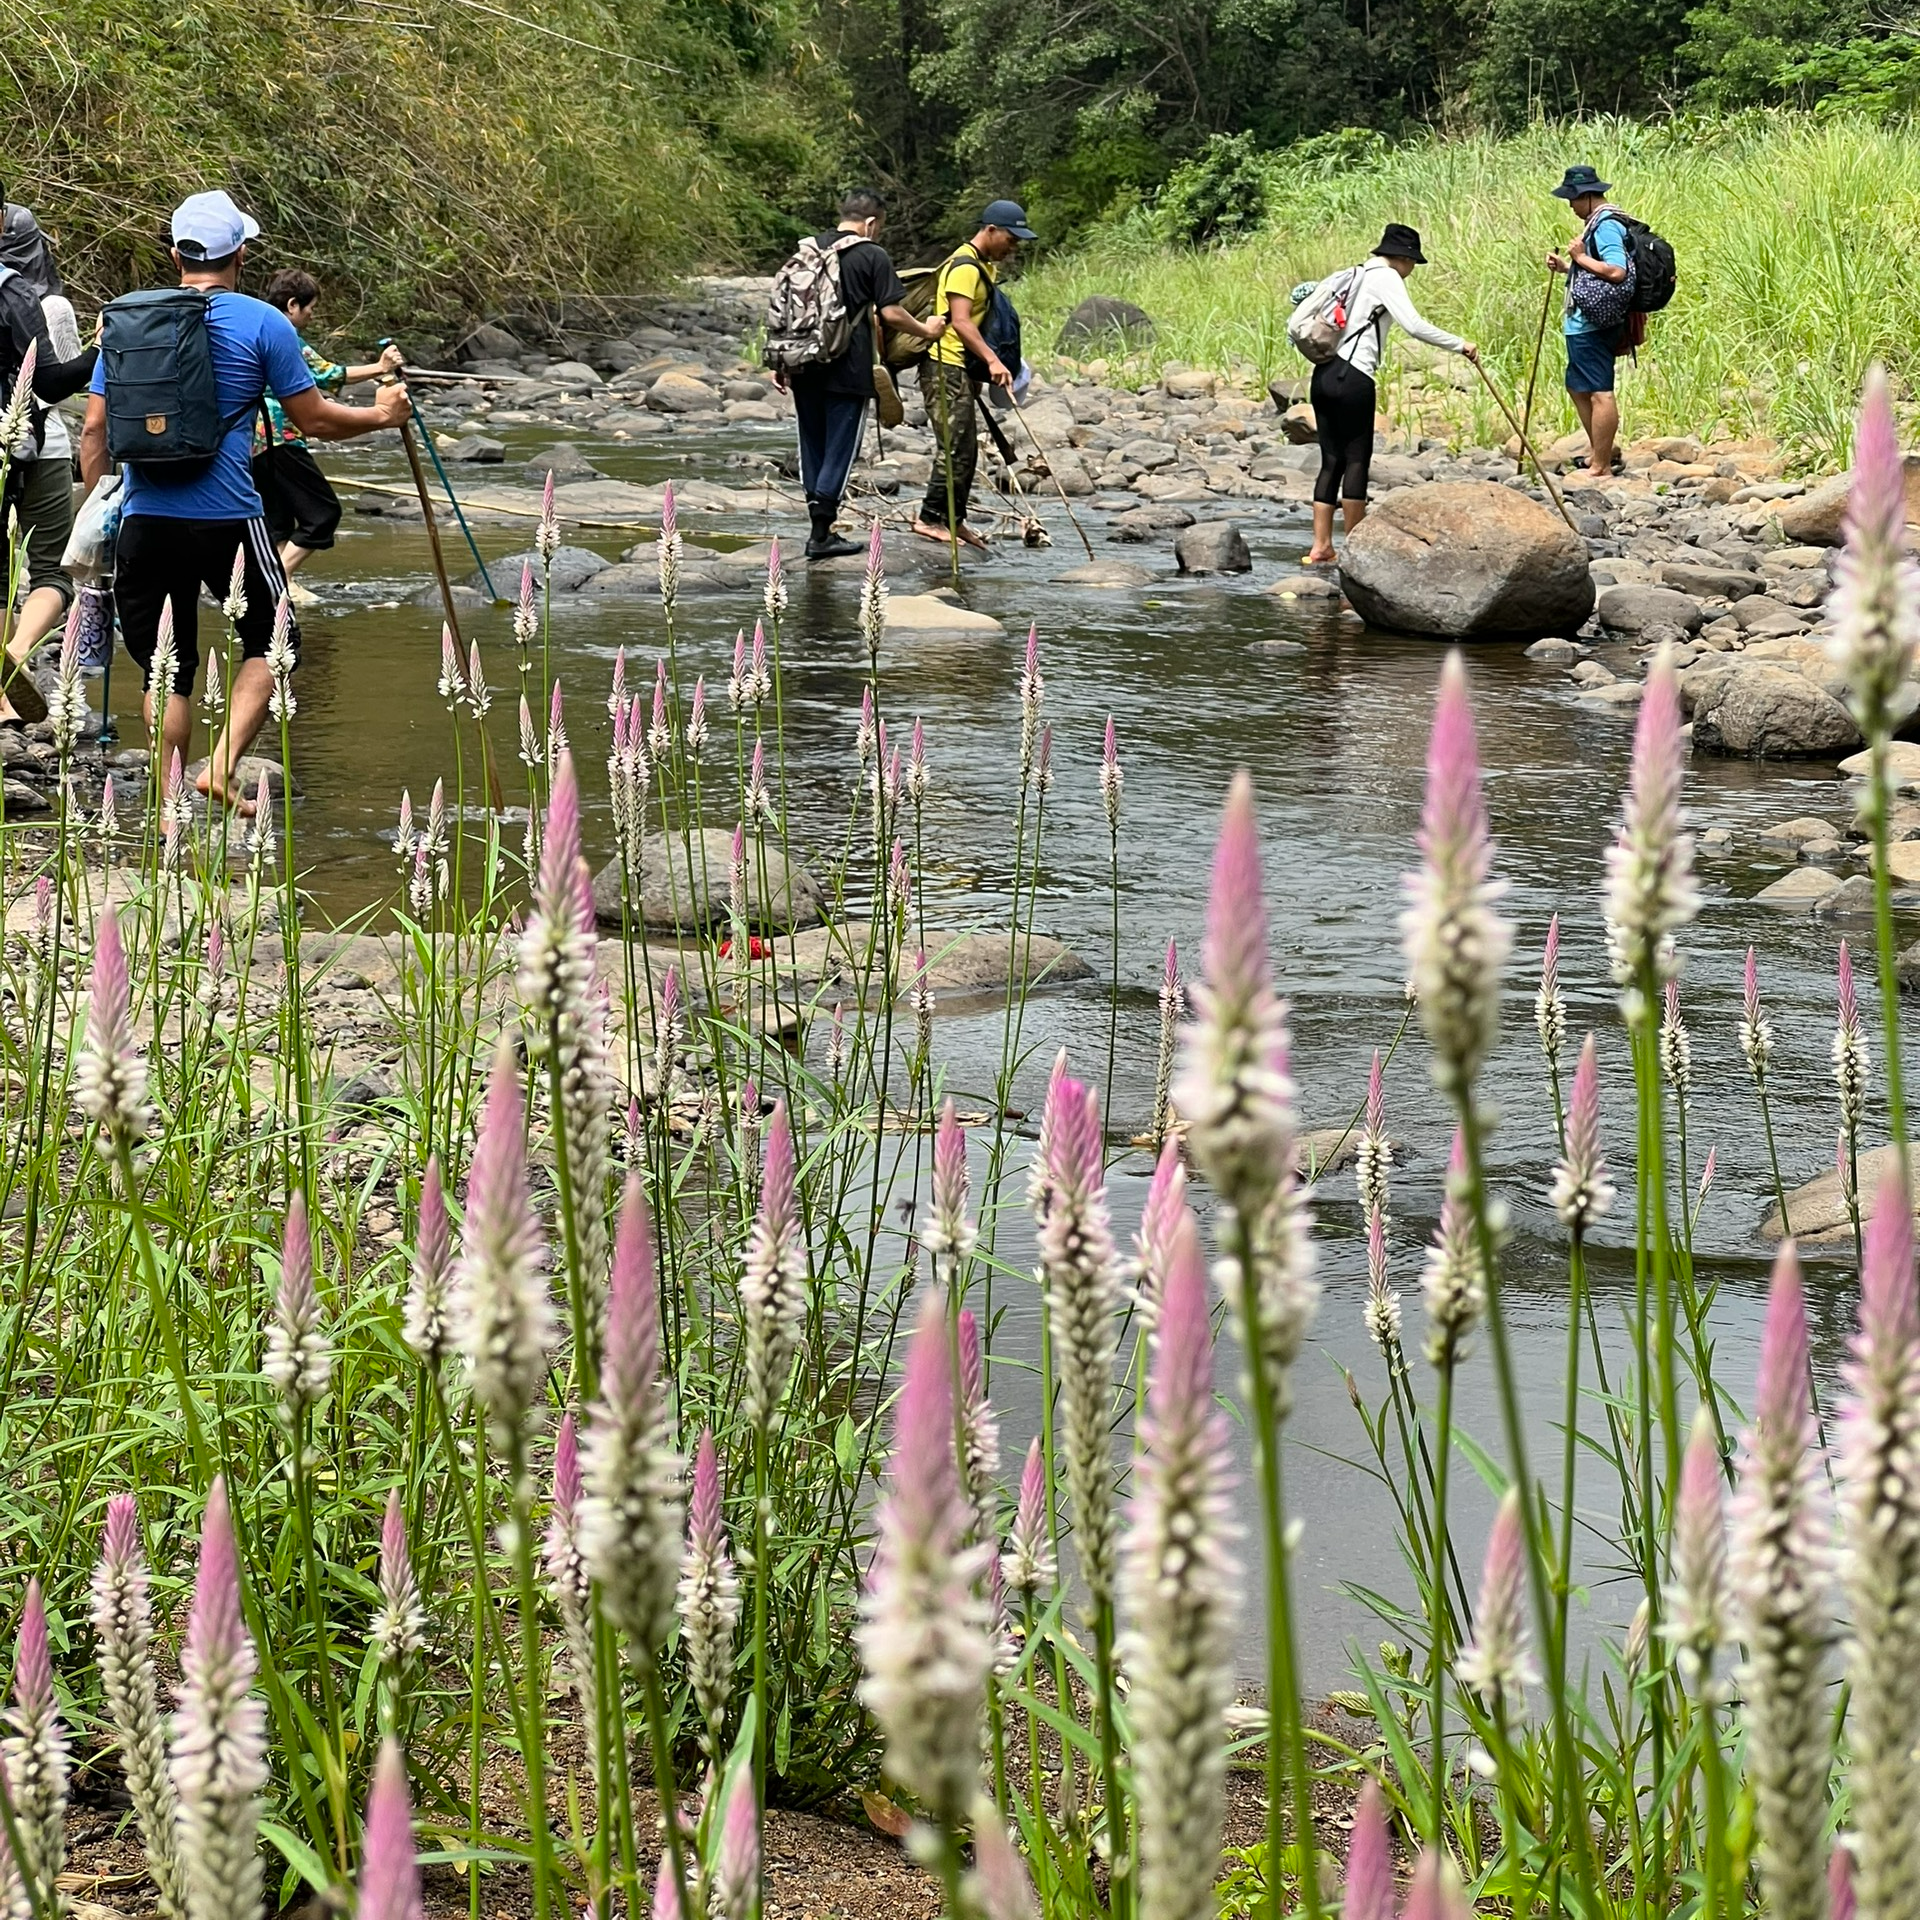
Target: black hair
(861, 203)
(199, 265)
(292, 287)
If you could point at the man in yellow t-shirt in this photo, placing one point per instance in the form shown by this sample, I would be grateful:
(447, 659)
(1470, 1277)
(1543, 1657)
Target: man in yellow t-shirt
(959, 360)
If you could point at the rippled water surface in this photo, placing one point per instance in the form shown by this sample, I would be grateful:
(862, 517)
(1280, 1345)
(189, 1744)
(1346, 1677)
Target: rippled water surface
(1199, 678)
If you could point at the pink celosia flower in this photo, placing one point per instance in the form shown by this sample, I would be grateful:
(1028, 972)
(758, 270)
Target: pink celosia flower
(1373, 1153)
(36, 1754)
(1850, 1062)
(735, 1892)
(389, 1868)
(1650, 891)
(924, 1637)
(1697, 1594)
(630, 1525)
(1369, 1860)
(773, 1279)
(566, 1565)
(1581, 1190)
(400, 1622)
(110, 1078)
(1028, 1565)
(1112, 780)
(1549, 1007)
(1179, 1584)
(298, 1360)
(426, 1319)
(709, 1600)
(948, 1234)
(1498, 1664)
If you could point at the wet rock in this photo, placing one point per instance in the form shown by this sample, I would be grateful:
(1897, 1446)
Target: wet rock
(572, 568)
(1554, 650)
(1631, 609)
(1590, 673)
(1142, 523)
(1766, 710)
(22, 797)
(928, 613)
(1466, 558)
(964, 968)
(1112, 324)
(692, 895)
(1289, 390)
(681, 392)
(1799, 831)
(1303, 586)
(1620, 696)
(1817, 1211)
(571, 376)
(744, 390)
(565, 462)
(613, 356)
(466, 599)
(1110, 574)
(474, 448)
(1800, 891)
(1153, 455)
(1852, 899)
(1213, 546)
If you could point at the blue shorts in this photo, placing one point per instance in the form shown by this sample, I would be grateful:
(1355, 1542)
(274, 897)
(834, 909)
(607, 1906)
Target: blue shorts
(1590, 362)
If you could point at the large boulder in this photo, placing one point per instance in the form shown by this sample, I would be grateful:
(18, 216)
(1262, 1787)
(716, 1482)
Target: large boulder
(1467, 559)
(691, 894)
(488, 342)
(565, 462)
(1104, 321)
(1214, 546)
(1816, 518)
(1767, 710)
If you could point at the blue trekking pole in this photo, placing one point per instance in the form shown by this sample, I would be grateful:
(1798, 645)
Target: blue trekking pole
(433, 454)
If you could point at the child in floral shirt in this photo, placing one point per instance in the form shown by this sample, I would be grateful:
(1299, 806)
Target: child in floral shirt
(303, 511)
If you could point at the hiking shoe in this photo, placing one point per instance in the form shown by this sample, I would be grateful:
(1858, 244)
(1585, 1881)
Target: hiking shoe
(832, 547)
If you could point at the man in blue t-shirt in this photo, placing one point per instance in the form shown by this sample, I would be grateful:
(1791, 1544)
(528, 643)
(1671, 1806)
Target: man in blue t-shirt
(1602, 251)
(179, 534)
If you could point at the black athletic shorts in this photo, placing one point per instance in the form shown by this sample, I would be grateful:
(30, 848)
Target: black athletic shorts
(160, 560)
(300, 501)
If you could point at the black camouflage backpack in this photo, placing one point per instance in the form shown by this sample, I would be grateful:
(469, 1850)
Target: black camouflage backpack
(807, 318)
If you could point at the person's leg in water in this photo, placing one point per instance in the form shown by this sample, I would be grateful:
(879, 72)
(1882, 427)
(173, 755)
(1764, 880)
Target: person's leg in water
(253, 680)
(844, 415)
(950, 407)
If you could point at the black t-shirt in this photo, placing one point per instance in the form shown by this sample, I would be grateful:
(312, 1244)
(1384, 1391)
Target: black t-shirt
(867, 279)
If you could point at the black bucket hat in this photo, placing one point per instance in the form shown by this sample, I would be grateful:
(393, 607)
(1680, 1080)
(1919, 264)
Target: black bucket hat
(1401, 243)
(1581, 180)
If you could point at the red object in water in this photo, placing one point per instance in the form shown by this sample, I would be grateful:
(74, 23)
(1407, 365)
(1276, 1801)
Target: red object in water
(756, 948)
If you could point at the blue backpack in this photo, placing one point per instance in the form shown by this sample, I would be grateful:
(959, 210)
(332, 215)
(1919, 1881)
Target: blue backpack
(163, 404)
(999, 326)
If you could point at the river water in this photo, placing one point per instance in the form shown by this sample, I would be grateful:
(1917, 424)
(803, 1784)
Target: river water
(1199, 677)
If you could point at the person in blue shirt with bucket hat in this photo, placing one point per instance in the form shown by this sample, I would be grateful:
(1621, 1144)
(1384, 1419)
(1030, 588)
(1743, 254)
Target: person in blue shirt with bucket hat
(1602, 254)
(187, 512)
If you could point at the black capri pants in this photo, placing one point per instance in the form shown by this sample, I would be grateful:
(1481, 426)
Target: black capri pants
(1343, 401)
(300, 502)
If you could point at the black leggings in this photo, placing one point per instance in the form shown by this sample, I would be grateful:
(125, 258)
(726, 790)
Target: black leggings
(1343, 416)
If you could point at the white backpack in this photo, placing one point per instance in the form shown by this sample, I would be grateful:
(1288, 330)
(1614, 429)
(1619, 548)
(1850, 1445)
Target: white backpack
(807, 317)
(1318, 325)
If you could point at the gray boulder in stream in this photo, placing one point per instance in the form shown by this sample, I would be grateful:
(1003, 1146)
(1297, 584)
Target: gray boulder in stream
(692, 896)
(573, 567)
(1467, 560)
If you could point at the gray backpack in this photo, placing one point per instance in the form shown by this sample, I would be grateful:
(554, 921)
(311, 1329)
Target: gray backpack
(807, 318)
(1318, 323)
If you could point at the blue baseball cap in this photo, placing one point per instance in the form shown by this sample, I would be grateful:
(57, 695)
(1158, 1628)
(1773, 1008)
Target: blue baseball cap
(208, 226)
(1010, 215)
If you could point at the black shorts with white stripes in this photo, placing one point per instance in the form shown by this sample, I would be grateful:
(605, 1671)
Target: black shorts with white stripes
(161, 559)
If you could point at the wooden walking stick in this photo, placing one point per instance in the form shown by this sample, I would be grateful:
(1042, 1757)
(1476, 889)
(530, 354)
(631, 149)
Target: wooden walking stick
(1533, 372)
(1526, 446)
(1054, 477)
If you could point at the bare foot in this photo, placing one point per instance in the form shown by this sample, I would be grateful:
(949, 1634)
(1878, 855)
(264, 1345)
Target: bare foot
(1320, 557)
(928, 531)
(968, 538)
(236, 804)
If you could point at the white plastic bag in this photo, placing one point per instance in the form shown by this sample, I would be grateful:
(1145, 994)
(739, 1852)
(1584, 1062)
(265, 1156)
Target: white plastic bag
(96, 527)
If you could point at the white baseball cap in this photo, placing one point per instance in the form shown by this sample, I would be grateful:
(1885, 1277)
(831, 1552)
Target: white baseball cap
(208, 226)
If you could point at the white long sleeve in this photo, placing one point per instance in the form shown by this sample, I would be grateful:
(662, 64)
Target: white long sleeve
(1382, 291)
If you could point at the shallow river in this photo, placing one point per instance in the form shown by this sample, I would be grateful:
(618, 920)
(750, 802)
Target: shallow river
(1333, 730)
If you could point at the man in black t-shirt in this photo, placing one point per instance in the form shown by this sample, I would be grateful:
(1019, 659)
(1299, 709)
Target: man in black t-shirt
(830, 396)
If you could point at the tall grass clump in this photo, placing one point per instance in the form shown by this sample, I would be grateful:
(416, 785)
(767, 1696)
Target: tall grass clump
(1791, 231)
(643, 1471)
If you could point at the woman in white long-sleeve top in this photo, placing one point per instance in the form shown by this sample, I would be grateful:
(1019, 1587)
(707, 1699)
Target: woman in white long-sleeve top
(1343, 387)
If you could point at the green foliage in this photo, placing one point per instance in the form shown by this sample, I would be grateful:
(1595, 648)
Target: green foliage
(464, 157)
(1794, 235)
(1219, 194)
